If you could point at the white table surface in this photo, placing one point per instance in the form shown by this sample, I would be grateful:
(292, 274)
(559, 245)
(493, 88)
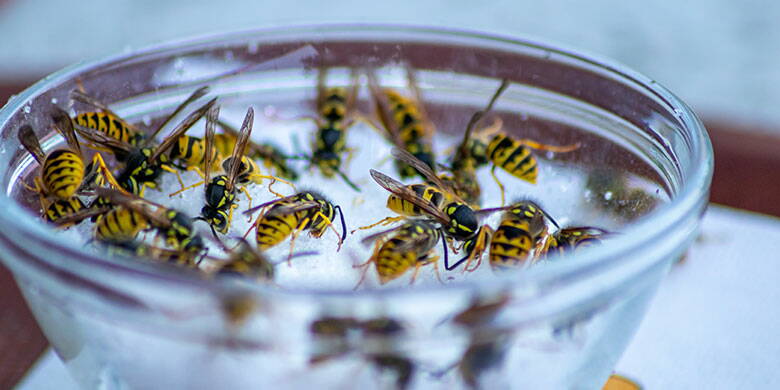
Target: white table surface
(712, 324)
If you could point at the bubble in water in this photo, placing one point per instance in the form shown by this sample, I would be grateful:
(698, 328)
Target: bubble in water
(54, 100)
(608, 195)
(26, 109)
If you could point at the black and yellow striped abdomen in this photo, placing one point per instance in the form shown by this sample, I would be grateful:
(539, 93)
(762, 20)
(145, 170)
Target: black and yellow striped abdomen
(62, 173)
(333, 106)
(511, 243)
(274, 227)
(392, 262)
(120, 225)
(403, 207)
(61, 208)
(109, 125)
(191, 151)
(511, 156)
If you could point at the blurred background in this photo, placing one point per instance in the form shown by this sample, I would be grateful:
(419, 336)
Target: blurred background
(722, 57)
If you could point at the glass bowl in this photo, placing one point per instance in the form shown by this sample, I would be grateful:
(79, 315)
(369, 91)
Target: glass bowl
(121, 323)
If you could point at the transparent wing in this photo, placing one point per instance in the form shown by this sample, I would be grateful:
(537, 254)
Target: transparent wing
(179, 130)
(405, 193)
(240, 147)
(197, 94)
(29, 140)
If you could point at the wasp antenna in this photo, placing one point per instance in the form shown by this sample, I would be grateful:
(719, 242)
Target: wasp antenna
(343, 225)
(202, 256)
(446, 254)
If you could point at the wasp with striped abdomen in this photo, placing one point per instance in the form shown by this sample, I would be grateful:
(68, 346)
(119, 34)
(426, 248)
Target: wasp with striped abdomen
(63, 172)
(144, 163)
(396, 250)
(289, 216)
(405, 122)
(523, 233)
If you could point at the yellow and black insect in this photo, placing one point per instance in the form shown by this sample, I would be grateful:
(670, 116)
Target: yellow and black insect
(245, 261)
(270, 155)
(105, 120)
(173, 226)
(491, 145)
(144, 163)
(335, 106)
(405, 121)
(471, 154)
(571, 239)
(289, 216)
(458, 219)
(522, 233)
(156, 253)
(221, 190)
(398, 249)
(62, 172)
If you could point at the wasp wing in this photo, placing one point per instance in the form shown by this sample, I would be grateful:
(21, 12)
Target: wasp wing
(211, 118)
(197, 94)
(179, 130)
(240, 148)
(81, 215)
(382, 108)
(425, 170)
(103, 140)
(30, 141)
(397, 188)
(137, 204)
(64, 125)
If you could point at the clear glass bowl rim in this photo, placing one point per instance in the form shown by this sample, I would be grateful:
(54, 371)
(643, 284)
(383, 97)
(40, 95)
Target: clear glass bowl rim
(643, 232)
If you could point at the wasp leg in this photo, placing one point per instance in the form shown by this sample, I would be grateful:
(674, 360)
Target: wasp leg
(419, 265)
(197, 184)
(365, 266)
(270, 189)
(500, 186)
(295, 234)
(175, 172)
(550, 148)
(329, 225)
(248, 197)
(483, 237)
(541, 248)
(98, 161)
(383, 222)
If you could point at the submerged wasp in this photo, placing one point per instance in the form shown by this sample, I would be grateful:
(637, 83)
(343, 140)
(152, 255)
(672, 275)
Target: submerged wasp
(289, 216)
(571, 239)
(335, 108)
(143, 163)
(405, 121)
